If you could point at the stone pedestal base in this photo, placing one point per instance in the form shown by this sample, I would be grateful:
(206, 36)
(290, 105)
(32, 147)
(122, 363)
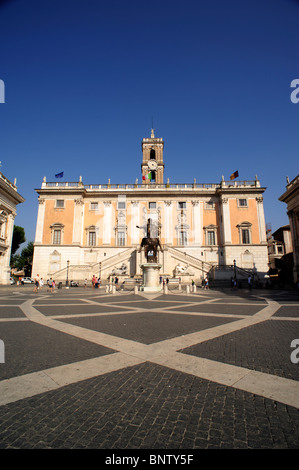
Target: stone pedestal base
(151, 277)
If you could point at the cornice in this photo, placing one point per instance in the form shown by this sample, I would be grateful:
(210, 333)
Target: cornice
(10, 192)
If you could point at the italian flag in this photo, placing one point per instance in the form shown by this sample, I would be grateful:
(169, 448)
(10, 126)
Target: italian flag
(148, 176)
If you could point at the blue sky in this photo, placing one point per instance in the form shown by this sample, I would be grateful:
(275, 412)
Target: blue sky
(83, 80)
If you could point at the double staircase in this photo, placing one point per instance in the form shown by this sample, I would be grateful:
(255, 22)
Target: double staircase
(104, 268)
(196, 263)
(82, 271)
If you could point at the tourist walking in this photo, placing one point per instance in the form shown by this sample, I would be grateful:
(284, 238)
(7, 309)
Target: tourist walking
(36, 283)
(50, 284)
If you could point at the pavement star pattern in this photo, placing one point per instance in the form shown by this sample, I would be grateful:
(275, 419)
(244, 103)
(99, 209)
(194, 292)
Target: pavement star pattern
(125, 352)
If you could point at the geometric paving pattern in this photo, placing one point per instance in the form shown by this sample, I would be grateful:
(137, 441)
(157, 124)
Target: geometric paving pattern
(85, 369)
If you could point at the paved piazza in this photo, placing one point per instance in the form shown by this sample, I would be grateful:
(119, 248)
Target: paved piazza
(207, 370)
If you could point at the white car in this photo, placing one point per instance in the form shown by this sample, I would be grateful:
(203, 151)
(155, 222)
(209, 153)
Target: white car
(27, 280)
(12, 281)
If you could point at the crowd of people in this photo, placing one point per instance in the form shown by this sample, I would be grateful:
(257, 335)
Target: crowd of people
(39, 284)
(96, 282)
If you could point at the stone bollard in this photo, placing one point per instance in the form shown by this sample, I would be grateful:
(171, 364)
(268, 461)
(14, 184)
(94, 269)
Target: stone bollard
(107, 289)
(165, 289)
(187, 289)
(180, 287)
(113, 289)
(194, 288)
(136, 290)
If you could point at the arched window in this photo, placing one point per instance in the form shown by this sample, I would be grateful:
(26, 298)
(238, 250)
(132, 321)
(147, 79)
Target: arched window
(153, 154)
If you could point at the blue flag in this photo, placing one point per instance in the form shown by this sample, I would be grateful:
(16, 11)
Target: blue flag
(59, 175)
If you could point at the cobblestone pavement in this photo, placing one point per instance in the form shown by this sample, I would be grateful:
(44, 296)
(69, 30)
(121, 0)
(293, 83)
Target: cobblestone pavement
(88, 370)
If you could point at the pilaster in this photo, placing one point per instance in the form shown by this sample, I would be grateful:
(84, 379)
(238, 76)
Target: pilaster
(40, 221)
(78, 221)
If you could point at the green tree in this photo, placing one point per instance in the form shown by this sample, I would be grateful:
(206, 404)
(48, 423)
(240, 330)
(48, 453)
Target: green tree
(17, 239)
(24, 259)
(27, 257)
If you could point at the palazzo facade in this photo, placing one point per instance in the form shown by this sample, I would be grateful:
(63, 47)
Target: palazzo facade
(86, 229)
(9, 199)
(291, 198)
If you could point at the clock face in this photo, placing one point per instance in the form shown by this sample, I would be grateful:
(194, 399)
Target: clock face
(152, 164)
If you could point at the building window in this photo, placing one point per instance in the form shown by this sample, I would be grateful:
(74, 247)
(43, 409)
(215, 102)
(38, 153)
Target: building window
(245, 236)
(121, 238)
(181, 205)
(242, 203)
(59, 204)
(211, 237)
(92, 235)
(152, 205)
(2, 231)
(153, 154)
(3, 222)
(245, 229)
(153, 176)
(57, 233)
(121, 205)
(94, 206)
(91, 239)
(57, 237)
(182, 237)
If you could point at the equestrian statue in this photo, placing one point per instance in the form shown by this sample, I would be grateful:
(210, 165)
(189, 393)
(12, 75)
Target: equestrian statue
(150, 244)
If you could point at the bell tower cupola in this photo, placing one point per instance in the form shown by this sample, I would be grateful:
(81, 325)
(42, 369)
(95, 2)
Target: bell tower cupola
(152, 167)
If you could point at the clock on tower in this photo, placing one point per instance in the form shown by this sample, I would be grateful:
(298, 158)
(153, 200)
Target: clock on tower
(152, 167)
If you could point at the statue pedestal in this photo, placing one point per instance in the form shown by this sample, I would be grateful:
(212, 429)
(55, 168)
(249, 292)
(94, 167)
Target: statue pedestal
(151, 277)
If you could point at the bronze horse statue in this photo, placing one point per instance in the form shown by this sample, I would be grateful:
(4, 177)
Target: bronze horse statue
(150, 245)
(150, 248)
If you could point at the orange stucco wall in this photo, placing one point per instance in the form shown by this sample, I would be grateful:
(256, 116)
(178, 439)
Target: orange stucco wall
(210, 217)
(239, 215)
(59, 216)
(93, 217)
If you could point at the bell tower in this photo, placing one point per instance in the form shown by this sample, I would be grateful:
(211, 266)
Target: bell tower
(152, 167)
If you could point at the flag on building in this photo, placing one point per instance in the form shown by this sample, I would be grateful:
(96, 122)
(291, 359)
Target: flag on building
(59, 175)
(234, 175)
(149, 175)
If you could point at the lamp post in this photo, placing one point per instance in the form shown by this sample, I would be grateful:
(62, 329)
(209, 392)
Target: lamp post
(67, 273)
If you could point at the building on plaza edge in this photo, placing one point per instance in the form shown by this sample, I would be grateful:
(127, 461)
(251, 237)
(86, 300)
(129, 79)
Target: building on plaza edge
(9, 199)
(291, 198)
(91, 229)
